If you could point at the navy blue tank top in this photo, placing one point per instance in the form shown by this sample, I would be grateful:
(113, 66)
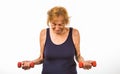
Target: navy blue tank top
(59, 59)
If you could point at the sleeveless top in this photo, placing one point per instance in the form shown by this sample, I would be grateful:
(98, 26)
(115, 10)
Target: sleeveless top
(59, 59)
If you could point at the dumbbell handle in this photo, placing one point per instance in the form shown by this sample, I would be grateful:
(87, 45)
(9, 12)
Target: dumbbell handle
(20, 64)
(93, 64)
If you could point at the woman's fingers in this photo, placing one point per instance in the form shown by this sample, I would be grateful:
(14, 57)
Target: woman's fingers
(87, 65)
(26, 65)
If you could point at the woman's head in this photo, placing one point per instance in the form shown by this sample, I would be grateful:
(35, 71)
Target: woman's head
(57, 12)
(57, 19)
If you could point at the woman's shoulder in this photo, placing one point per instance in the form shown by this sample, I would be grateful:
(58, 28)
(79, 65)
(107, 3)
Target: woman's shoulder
(43, 32)
(75, 31)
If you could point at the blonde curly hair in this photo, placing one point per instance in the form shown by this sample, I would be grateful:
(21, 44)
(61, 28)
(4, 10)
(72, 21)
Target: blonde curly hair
(56, 12)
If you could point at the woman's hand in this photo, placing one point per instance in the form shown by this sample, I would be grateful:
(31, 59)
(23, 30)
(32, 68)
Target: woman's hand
(87, 64)
(26, 65)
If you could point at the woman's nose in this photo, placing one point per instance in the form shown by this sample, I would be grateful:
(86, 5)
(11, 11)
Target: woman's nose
(57, 27)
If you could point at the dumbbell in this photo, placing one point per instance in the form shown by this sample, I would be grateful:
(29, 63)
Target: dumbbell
(20, 64)
(93, 64)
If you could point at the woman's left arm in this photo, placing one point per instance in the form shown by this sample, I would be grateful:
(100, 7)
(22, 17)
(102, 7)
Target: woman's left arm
(76, 39)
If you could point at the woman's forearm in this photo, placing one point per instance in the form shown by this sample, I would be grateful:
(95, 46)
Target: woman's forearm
(79, 58)
(38, 61)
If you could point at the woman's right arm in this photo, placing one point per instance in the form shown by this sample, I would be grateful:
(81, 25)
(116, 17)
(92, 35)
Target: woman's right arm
(39, 60)
(42, 40)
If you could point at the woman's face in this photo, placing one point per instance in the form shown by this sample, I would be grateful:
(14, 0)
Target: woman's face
(58, 24)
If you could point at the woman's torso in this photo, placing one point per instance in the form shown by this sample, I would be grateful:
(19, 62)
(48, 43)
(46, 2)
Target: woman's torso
(59, 58)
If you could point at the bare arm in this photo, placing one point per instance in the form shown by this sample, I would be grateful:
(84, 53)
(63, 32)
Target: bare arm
(40, 59)
(79, 58)
(76, 40)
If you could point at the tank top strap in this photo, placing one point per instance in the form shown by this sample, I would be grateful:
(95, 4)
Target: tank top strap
(70, 33)
(48, 35)
(47, 31)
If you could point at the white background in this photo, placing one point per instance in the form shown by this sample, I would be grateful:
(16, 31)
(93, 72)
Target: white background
(97, 21)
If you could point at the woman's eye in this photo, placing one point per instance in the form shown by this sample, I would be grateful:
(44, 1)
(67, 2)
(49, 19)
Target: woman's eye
(60, 24)
(54, 24)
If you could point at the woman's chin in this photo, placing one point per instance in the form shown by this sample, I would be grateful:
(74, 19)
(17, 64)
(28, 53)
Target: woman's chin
(58, 32)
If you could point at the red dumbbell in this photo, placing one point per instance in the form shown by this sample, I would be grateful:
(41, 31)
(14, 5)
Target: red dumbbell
(20, 64)
(93, 64)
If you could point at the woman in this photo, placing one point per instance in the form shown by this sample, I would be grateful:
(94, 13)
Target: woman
(58, 46)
